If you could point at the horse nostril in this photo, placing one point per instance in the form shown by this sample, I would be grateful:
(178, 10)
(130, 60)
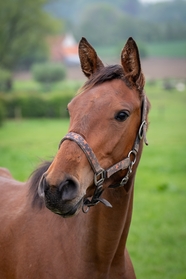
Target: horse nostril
(68, 189)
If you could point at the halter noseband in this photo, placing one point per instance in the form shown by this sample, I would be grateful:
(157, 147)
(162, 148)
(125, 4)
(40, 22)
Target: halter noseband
(101, 174)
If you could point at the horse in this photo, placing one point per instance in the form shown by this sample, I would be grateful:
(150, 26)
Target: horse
(93, 172)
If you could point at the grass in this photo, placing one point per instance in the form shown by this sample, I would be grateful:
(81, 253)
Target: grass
(25, 143)
(175, 49)
(158, 231)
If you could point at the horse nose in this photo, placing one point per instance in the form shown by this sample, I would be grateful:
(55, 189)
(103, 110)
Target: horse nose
(66, 190)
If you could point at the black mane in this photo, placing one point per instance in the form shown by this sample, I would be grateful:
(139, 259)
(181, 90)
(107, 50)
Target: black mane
(34, 183)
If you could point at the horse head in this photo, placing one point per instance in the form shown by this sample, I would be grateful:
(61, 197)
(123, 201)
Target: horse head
(106, 117)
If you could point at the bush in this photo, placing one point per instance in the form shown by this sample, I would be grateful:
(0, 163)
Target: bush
(5, 80)
(35, 105)
(48, 73)
(2, 113)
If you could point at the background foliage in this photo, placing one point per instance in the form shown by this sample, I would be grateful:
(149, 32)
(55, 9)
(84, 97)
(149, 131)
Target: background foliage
(23, 28)
(48, 73)
(26, 24)
(109, 22)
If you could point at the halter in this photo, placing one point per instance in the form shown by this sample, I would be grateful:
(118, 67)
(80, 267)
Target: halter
(100, 174)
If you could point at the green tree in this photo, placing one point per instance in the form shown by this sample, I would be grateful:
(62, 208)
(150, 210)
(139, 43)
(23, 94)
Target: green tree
(104, 24)
(24, 25)
(100, 24)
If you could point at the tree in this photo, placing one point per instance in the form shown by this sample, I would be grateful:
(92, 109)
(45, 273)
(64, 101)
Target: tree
(24, 25)
(99, 24)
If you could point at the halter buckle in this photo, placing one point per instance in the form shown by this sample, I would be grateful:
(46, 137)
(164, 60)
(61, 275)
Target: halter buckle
(99, 177)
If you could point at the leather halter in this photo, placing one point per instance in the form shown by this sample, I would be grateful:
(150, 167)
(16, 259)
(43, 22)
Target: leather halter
(100, 174)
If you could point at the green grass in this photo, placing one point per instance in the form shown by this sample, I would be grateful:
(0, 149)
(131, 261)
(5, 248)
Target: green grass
(25, 143)
(158, 231)
(167, 49)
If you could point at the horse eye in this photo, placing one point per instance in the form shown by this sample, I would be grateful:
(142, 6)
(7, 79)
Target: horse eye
(122, 116)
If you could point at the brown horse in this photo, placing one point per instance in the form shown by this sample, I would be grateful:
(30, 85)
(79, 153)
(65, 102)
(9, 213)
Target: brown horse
(94, 169)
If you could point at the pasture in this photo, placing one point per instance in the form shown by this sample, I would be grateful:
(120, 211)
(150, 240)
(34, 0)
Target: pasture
(171, 49)
(158, 231)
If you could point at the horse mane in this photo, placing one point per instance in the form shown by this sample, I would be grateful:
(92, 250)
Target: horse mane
(34, 183)
(107, 73)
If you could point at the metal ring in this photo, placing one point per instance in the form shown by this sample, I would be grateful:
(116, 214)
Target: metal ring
(140, 132)
(124, 180)
(133, 152)
(85, 208)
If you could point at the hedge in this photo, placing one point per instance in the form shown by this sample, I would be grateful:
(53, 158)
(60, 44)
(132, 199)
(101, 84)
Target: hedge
(5, 80)
(30, 105)
(2, 113)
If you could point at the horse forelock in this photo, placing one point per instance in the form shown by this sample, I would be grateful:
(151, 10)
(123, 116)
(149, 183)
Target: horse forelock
(107, 73)
(34, 183)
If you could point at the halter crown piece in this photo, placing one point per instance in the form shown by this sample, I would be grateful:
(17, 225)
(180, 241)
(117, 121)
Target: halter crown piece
(100, 174)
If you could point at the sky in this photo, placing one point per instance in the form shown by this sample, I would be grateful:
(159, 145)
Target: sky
(152, 1)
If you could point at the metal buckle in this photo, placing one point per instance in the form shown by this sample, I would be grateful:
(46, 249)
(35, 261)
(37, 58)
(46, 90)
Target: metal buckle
(140, 132)
(99, 177)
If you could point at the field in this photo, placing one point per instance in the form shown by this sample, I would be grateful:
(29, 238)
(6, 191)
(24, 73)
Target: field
(167, 49)
(158, 231)
(176, 49)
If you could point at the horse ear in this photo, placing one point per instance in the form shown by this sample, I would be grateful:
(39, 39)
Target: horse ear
(90, 62)
(130, 61)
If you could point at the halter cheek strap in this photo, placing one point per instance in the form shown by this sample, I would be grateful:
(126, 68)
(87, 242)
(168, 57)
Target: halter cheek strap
(99, 173)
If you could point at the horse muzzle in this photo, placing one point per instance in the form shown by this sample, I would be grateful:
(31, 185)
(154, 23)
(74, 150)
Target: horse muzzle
(62, 199)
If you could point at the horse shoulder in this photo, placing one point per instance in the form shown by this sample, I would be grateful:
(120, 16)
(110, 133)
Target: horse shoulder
(33, 242)
(12, 198)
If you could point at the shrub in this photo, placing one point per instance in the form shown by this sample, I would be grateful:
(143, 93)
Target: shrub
(35, 105)
(48, 73)
(2, 113)
(5, 80)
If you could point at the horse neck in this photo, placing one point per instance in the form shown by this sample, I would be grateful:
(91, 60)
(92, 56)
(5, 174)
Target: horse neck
(107, 228)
